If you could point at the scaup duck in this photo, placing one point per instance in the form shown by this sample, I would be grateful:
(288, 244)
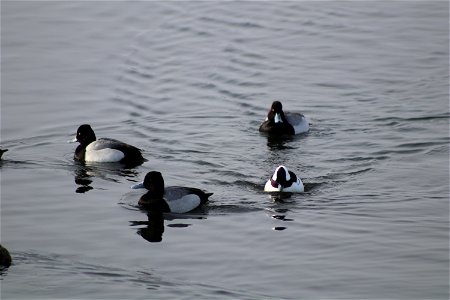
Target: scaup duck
(284, 180)
(279, 122)
(104, 149)
(174, 199)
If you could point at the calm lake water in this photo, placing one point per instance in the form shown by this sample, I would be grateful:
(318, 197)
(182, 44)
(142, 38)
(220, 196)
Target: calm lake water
(189, 83)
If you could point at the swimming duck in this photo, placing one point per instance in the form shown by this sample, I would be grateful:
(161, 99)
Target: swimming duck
(104, 149)
(284, 180)
(279, 122)
(174, 199)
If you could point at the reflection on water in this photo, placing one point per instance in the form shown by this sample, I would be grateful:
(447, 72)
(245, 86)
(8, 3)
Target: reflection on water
(154, 226)
(85, 172)
(280, 142)
(154, 229)
(157, 215)
(280, 197)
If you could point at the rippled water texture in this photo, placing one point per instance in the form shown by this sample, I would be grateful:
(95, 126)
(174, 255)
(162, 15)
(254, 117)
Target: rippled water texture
(189, 83)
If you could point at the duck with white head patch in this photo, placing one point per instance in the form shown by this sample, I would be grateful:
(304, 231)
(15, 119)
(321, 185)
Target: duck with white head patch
(284, 180)
(279, 122)
(104, 149)
(174, 199)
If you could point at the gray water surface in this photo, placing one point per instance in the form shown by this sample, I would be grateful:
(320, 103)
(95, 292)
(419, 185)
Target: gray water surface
(189, 83)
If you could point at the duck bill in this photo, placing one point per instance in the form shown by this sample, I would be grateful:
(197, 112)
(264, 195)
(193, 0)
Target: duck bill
(138, 186)
(74, 140)
(277, 118)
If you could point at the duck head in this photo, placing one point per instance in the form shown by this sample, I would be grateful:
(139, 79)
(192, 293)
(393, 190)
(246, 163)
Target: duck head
(280, 177)
(85, 135)
(154, 183)
(276, 113)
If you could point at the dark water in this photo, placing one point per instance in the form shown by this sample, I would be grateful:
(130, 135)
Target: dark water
(190, 83)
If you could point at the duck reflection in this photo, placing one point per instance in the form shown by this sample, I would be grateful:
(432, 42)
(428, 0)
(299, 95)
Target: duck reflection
(82, 179)
(85, 172)
(154, 229)
(155, 224)
(276, 143)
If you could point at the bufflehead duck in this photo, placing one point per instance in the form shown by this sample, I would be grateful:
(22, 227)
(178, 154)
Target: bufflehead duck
(279, 122)
(104, 149)
(284, 180)
(174, 199)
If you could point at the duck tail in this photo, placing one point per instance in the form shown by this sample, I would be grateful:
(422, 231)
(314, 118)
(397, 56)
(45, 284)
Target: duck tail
(205, 197)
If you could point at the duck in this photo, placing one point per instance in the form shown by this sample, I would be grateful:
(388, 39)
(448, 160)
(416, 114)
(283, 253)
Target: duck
(171, 199)
(284, 123)
(104, 149)
(283, 180)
